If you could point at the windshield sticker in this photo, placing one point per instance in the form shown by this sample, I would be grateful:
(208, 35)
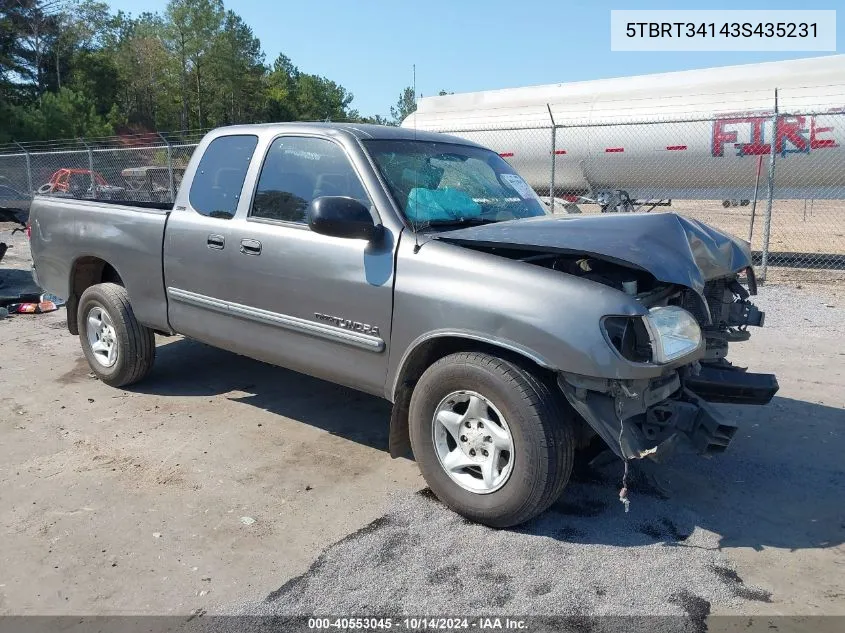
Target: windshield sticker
(518, 185)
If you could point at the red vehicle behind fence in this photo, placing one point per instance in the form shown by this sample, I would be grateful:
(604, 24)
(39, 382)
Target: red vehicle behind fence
(78, 183)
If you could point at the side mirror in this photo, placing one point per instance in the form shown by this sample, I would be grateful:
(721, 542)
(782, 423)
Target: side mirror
(339, 216)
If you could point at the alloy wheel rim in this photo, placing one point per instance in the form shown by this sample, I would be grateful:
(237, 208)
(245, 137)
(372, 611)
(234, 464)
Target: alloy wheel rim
(473, 442)
(102, 337)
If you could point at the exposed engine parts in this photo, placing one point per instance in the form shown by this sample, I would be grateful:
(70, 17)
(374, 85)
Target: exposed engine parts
(730, 314)
(723, 310)
(628, 280)
(727, 304)
(644, 418)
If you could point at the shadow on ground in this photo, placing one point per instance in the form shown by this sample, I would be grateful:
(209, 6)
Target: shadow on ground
(17, 286)
(779, 485)
(188, 368)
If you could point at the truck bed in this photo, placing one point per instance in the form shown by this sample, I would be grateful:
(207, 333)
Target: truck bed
(73, 237)
(140, 204)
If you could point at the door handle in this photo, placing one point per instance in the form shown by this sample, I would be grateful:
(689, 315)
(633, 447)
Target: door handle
(216, 241)
(250, 247)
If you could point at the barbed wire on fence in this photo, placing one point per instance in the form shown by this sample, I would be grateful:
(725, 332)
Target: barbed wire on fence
(131, 140)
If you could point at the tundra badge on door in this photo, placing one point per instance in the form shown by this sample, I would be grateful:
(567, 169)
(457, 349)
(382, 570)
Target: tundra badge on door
(348, 324)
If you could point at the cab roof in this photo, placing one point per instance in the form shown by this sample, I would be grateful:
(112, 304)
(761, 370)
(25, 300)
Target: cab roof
(360, 131)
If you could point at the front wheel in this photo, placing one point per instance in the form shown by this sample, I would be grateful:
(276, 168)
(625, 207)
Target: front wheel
(119, 350)
(491, 439)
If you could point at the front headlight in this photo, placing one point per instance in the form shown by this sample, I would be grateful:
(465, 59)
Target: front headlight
(674, 333)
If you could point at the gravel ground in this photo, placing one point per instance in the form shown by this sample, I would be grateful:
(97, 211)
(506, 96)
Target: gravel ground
(585, 556)
(818, 312)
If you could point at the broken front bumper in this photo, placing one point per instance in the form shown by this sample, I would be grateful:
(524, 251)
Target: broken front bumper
(638, 418)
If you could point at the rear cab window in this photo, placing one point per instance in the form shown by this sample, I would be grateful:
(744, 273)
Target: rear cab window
(219, 179)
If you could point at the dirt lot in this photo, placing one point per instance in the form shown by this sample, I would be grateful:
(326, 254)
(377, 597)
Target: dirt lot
(228, 485)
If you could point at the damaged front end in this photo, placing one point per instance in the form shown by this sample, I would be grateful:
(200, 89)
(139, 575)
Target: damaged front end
(692, 283)
(648, 417)
(643, 418)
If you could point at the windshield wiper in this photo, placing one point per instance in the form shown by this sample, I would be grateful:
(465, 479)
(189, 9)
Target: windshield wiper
(459, 222)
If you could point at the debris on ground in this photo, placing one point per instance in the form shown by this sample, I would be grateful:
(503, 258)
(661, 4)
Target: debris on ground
(31, 308)
(247, 520)
(58, 301)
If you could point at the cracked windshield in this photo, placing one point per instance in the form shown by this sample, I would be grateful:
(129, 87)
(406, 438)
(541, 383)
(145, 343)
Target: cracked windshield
(441, 184)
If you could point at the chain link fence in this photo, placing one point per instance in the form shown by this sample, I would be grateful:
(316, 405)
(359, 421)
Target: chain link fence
(773, 177)
(140, 167)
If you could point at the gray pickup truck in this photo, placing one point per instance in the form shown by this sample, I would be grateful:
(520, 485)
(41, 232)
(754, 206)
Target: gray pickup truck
(421, 268)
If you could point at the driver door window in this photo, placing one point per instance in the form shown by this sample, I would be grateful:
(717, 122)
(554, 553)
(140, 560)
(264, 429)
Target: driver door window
(296, 171)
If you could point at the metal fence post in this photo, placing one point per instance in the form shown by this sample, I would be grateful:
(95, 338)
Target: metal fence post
(90, 168)
(767, 224)
(28, 168)
(554, 148)
(756, 192)
(172, 184)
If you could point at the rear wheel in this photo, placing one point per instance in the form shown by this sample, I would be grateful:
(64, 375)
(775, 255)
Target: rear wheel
(119, 350)
(493, 442)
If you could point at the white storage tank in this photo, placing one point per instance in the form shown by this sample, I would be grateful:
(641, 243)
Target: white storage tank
(694, 134)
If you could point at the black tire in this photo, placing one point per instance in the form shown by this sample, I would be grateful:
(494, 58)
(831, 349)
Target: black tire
(541, 427)
(135, 342)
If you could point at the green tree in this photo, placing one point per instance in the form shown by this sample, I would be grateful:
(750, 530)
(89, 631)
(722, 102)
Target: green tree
(94, 73)
(193, 26)
(320, 99)
(296, 96)
(81, 25)
(405, 106)
(149, 73)
(236, 72)
(376, 119)
(281, 90)
(65, 114)
(71, 67)
(26, 29)
(13, 55)
(36, 25)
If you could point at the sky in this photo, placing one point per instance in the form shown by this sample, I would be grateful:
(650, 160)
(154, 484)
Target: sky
(371, 46)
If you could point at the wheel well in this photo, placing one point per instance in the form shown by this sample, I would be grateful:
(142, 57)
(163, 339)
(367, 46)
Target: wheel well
(429, 352)
(426, 354)
(87, 272)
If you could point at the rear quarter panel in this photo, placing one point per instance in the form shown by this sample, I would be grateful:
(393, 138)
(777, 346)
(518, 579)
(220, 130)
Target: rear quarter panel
(127, 238)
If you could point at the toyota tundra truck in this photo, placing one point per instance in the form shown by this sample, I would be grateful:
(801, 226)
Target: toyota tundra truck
(421, 268)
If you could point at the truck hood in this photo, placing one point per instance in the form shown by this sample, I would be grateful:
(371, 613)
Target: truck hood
(674, 249)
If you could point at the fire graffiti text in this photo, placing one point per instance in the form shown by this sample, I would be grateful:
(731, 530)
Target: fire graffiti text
(795, 135)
